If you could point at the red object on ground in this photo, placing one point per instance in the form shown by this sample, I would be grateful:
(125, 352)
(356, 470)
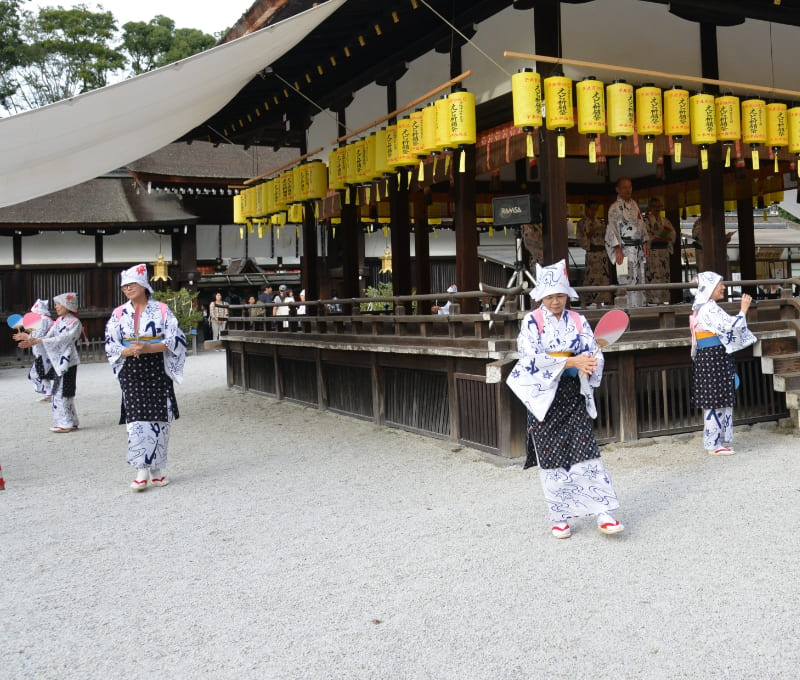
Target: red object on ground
(2, 481)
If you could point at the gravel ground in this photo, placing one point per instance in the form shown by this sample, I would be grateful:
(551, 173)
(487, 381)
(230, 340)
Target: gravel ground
(298, 544)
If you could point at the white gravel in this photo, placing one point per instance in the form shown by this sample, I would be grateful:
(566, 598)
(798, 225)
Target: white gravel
(294, 543)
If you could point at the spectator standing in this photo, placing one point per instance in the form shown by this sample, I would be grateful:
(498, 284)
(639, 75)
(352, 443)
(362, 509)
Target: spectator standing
(218, 313)
(661, 235)
(591, 235)
(626, 241)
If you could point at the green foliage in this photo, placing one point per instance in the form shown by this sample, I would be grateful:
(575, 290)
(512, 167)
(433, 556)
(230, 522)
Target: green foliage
(58, 53)
(66, 52)
(183, 304)
(383, 290)
(11, 46)
(158, 43)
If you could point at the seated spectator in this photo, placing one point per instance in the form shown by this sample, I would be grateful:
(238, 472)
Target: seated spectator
(445, 308)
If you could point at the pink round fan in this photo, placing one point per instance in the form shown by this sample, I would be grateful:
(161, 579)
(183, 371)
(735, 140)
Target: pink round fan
(32, 320)
(610, 327)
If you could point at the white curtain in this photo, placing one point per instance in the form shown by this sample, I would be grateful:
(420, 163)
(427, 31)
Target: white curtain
(74, 140)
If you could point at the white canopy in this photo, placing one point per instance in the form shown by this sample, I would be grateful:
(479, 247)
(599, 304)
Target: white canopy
(74, 140)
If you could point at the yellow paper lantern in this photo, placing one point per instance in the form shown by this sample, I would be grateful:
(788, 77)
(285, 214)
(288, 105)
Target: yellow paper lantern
(442, 136)
(676, 117)
(361, 162)
(299, 183)
(287, 188)
(754, 126)
(777, 128)
(405, 155)
(277, 195)
(418, 133)
(526, 94)
(558, 108)
(351, 174)
(463, 130)
(793, 118)
(590, 96)
(337, 164)
(317, 180)
(264, 191)
(649, 116)
(238, 216)
(269, 197)
(621, 119)
(381, 160)
(392, 150)
(729, 127)
(429, 129)
(704, 123)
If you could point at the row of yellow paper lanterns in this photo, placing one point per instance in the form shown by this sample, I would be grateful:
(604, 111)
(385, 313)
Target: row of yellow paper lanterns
(622, 110)
(305, 182)
(443, 125)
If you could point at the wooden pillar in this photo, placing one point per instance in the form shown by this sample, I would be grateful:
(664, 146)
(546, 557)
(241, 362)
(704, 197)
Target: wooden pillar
(466, 227)
(552, 169)
(747, 239)
(308, 261)
(422, 251)
(351, 239)
(400, 235)
(712, 201)
(712, 196)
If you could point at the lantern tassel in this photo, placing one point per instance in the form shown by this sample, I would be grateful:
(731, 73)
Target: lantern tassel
(592, 151)
(529, 145)
(491, 230)
(462, 162)
(619, 160)
(347, 195)
(754, 155)
(367, 192)
(333, 232)
(421, 173)
(677, 152)
(241, 233)
(385, 231)
(648, 151)
(776, 162)
(260, 231)
(447, 164)
(249, 227)
(728, 157)
(562, 147)
(704, 158)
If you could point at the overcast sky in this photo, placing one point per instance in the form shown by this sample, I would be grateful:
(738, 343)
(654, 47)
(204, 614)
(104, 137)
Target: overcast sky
(210, 16)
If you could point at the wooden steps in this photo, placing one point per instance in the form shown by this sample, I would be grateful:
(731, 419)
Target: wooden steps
(780, 358)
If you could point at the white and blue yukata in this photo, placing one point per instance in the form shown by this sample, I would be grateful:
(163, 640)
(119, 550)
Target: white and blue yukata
(60, 348)
(715, 336)
(148, 395)
(626, 229)
(561, 407)
(42, 368)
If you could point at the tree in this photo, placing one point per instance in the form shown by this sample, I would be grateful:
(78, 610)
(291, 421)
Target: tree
(158, 43)
(10, 46)
(66, 52)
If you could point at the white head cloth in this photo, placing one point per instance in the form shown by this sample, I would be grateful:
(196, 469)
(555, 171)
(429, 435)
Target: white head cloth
(706, 283)
(552, 280)
(41, 307)
(453, 289)
(68, 300)
(136, 274)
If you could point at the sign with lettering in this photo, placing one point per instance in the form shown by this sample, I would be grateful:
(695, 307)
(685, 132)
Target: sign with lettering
(508, 210)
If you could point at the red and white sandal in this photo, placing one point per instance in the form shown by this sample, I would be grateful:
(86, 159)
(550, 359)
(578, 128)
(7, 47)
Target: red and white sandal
(561, 530)
(608, 525)
(140, 482)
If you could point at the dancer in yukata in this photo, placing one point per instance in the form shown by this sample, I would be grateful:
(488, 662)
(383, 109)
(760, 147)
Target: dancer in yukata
(559, 366)
(147, 350)
(715, 336)
(42, 368)
(60, 348)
